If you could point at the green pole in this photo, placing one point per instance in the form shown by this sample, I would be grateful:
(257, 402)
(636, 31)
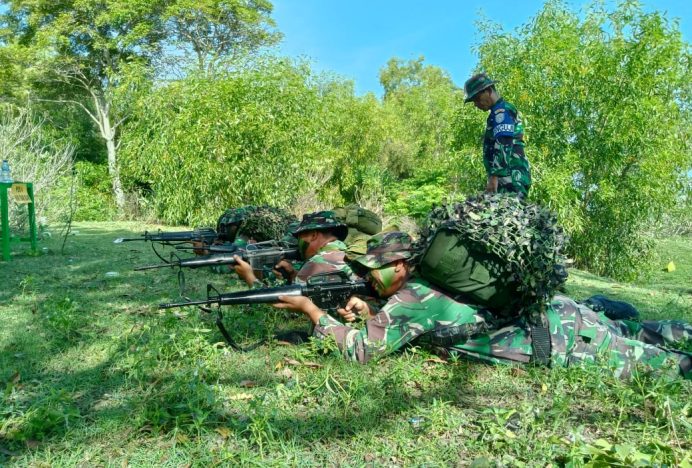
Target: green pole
(4, 213)
(33, 237)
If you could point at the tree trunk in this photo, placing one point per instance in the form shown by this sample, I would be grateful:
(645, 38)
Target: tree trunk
(108, 133)
(114, 172)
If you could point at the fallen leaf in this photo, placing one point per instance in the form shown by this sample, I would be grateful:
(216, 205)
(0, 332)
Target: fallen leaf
(670, 267)
(247, 383)
(312, 365)
(283, 343)
(32, 444)
(278, 365)
(368, 457)
(286, 373)
(224, 432)
(181, 438)
(291, 362)
(517, 372)
(435, 361)
(241, 396)
(544, 389)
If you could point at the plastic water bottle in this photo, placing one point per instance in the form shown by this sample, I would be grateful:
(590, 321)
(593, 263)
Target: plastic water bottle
(5, 172)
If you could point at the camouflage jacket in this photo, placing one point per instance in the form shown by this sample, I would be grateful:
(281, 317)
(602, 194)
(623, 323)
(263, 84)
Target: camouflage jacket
(503, 149)
(328, 259)
(414, 310)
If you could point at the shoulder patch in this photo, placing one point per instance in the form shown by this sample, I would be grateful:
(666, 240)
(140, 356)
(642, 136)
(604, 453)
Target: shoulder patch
(499, 117)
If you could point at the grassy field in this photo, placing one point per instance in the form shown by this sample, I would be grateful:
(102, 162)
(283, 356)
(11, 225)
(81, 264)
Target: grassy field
(92, 374)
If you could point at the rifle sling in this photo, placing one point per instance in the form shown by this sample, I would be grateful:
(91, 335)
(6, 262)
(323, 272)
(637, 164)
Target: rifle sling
(540, 339)
(229, 339)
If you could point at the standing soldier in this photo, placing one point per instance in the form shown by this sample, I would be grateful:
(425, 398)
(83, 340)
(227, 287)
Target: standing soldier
(505, 163)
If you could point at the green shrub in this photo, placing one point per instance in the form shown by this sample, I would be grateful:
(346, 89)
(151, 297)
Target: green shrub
(94, 199)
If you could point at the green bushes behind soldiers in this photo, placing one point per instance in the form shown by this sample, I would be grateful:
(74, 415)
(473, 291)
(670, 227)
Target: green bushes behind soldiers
(362, 224)
(495, 251)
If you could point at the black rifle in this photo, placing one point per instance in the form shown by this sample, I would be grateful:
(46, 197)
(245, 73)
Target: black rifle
(204, 235)
(327, 291)
(260, 256)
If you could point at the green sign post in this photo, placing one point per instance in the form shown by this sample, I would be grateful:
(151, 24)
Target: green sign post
(23, 194)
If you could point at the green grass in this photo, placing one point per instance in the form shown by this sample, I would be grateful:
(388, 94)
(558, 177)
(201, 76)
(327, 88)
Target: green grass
(92, 374)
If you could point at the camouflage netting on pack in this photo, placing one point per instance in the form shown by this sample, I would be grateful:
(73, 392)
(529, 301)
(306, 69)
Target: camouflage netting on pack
(525, 238)
(267, 223)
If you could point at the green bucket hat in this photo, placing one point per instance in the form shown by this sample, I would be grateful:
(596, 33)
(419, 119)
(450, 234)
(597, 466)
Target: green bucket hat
(322, 220)
(386, 247)
(476, 84)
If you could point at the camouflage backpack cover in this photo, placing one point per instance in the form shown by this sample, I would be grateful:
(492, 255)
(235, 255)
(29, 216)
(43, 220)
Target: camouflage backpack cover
(495, 251)
(362, 223)
(261, 223)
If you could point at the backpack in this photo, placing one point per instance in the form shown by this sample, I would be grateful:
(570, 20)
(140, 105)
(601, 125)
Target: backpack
(361, 224)
(359, 218)
(496, 252)
(469, 273)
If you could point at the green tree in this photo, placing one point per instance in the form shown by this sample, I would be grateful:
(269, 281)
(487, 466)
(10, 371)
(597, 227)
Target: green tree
(606, 98)
(423, 149)
(250, 136)
(214, 32)
(93, 52)
(273, 132)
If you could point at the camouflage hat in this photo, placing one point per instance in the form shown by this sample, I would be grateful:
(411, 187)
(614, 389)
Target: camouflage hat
(476, 84)
(385, 248)
(322, 220)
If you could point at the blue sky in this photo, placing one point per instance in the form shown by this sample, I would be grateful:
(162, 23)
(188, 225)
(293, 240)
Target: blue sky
(355, 38)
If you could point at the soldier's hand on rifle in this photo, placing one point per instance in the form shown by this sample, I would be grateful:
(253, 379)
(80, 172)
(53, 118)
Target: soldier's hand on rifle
(244, 270)
(284, 268)
(354, 308)
(300, 304)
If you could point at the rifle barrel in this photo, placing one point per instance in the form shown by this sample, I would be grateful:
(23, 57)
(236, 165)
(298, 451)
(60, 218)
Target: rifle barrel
(172, 305)
(152, 267)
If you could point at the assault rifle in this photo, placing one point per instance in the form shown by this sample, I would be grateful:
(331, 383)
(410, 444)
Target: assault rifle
(328, 291)
(204, 235)
(260, 256)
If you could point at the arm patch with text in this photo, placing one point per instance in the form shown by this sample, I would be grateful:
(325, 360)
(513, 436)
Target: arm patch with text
(503, 123)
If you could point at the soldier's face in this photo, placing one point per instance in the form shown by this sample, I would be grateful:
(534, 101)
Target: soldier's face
(307, 244)
(386, 280)
(483, 100)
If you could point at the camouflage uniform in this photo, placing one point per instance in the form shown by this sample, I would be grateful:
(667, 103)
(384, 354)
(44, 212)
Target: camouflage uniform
(503, 142)
(578, 335)
(330, 257)
(581, 336)
(503, 149)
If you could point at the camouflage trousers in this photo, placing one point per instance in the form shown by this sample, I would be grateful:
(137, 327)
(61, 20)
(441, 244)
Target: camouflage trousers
(518, 182)
(580, 336)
